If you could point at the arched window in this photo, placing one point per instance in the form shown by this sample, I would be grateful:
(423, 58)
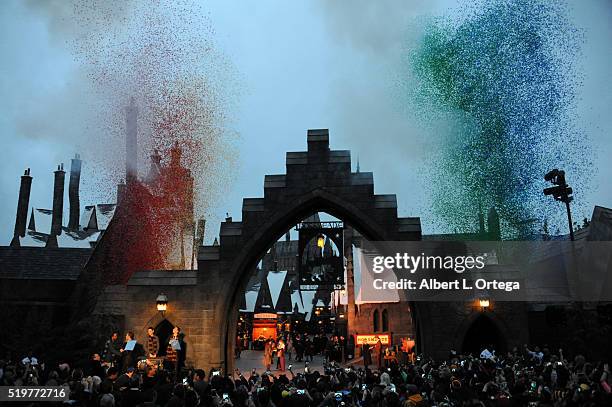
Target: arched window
(385, 320)
(376, 324)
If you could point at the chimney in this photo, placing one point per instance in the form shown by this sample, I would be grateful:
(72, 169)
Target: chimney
(131, 142)
(58, 201)
(493, 225)
(201, 229)
(22, 207)
(120, 193)
(73, 193)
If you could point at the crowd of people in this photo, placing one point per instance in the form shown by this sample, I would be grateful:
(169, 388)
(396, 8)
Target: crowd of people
(522, 377)
(299, 347)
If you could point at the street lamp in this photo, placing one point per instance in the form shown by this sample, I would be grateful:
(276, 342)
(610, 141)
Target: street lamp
(162, 303)
(561, 192)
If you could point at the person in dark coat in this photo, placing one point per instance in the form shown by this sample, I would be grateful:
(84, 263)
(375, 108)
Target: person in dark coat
(111, 353)
(130, 357)
(367, 355)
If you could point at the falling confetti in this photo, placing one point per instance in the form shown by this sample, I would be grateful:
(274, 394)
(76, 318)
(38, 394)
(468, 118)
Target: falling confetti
(159, 53)
(505, 75)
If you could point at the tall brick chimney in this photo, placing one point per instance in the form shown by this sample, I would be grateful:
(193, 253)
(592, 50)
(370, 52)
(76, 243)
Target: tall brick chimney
(73, 192)
(200, 232)
(22, 207)
(131, 142)
(58, 201)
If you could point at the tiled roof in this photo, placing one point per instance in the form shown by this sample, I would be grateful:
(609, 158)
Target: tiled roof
(42, 263)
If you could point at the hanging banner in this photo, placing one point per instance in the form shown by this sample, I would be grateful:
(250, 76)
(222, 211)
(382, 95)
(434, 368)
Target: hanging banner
(320, 255)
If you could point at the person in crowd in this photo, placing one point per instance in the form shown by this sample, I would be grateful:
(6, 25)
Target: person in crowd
(309, 349)
(367, 355)
(378, 353)
(152, 344)
(298, 345)
(122, 382)
(30, 359)
(268, 354)
(95, 367)
(238, 348)
(199, 383)
(280, 353)
(112, 353)
(514, 378)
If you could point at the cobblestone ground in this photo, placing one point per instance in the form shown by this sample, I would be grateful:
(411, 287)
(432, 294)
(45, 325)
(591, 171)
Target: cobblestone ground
(250, 359)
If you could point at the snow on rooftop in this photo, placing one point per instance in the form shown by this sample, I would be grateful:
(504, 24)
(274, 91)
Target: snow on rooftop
(276, 280)
(250, 297)
(86, 216)
(33, 239)
(42, 220)
(104, 214)
(78, 239)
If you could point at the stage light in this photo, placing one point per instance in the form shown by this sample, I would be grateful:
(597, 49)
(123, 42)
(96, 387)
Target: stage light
(484, 303)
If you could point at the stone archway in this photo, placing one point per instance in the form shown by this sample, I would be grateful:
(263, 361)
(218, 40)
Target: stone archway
(204, 302)
(319, 179)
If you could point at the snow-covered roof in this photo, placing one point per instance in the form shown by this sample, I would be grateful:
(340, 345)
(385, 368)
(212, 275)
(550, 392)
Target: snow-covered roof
(80, 239)
(104, 214)
(97, 216)
(86, 216)
(42, 220)
(33, 239)
(250, 297)
(276, 280)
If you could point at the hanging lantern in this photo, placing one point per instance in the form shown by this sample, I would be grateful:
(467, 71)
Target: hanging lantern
(321, 241)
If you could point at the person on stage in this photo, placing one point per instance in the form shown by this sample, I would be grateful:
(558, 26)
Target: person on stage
(152, 344)
(131, 351)
(174, 352)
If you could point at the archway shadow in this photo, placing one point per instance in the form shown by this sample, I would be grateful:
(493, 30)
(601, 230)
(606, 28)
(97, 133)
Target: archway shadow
(483, 333)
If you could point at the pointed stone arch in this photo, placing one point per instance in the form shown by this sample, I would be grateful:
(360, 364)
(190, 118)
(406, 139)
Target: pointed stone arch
(317, 180)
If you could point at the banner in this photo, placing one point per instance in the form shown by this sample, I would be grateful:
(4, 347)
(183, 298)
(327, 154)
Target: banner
(372, 339)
